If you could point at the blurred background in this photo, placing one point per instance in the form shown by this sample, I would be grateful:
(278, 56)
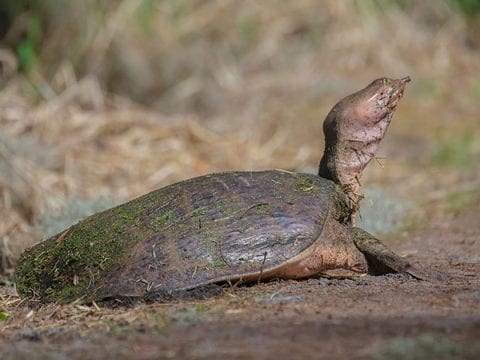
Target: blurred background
(103, 100)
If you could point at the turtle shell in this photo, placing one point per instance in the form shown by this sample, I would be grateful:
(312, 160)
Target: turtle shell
(204, 230)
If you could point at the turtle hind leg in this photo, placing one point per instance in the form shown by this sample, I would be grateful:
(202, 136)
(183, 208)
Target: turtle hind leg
(382, 260)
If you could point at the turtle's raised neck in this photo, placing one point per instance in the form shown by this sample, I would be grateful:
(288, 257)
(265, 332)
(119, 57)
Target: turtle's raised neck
(353, 130)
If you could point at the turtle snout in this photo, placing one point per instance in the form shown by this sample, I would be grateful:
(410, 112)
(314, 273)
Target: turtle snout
(396, 91)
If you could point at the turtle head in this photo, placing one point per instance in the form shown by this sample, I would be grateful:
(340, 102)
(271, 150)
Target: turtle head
(376, 102)
(353, 131)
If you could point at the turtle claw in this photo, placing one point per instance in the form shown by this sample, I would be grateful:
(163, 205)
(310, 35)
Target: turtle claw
(422, 273)
(382, 260)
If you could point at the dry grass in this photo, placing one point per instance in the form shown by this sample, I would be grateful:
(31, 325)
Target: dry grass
(223, 85)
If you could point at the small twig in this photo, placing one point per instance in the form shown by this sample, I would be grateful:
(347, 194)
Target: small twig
(276, 293)
(222, 256)
(154, 254)
(261, 267)
(95, 305)
(49, 316)
(62, 236)
(358, 180)
(252, 207)
(285, 171)
(377, 159)
(194, 272)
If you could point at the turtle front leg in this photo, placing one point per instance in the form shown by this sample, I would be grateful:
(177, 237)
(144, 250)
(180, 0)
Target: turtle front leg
(382, 260)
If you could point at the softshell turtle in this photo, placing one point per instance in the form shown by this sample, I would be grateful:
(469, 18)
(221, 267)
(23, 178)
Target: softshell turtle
(233, 226)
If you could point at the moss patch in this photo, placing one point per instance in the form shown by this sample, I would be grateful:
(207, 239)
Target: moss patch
(161, 220)
(304, 183)
(68, 265)
(219, 262)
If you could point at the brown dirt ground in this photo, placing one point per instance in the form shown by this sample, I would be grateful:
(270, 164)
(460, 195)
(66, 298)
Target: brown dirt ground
(385, 317)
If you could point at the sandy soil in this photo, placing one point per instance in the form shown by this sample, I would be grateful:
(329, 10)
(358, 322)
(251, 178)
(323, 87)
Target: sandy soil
(385, 317)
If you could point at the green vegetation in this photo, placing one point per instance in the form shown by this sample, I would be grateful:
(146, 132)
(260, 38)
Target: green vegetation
(425, 346)
(476, 90)
(380, 6)
(427, 87)
(27, 47)
(190, 315)
(455, 151)
(460, 201)
(200, 212)
(201, 308)
(469, 7)
(3, 316)
(247, 25)
(144, 14)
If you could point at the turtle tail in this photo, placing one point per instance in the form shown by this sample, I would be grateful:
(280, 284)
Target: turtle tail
(381, 260)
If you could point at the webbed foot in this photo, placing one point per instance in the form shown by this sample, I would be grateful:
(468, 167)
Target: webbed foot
(382, 260)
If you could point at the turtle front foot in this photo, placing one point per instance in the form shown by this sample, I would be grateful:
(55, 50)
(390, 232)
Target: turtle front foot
(382, 260)
(423, 273)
